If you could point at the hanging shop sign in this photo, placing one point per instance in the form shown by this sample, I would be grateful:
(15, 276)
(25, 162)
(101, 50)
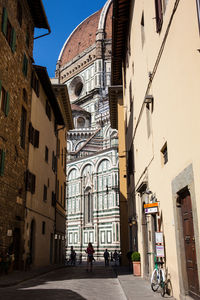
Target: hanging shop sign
(159, 237)
(160, 251)
(154, 204)
(151, 208)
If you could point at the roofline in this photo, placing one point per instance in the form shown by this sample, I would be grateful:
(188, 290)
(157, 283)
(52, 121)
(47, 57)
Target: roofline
(61, 92)
(120, 25)
(47, 86)
(38, 14)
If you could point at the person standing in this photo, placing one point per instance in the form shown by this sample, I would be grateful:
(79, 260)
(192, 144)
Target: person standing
(106, 258)
(90, 252)
(73, 256)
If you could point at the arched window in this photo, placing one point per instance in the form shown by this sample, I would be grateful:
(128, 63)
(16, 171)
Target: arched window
(80, 122)
(88, 209)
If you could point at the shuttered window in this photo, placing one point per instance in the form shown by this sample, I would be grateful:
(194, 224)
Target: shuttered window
(8, 30)
(30, 182)
(25, 65)
(45, 193)
(33, 136)
(2, 162)
(4, 100)
(159, 15)
(23, 128)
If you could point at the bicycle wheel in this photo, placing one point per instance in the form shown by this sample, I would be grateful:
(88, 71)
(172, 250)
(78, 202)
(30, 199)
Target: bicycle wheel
(162, 283)
(155, 280)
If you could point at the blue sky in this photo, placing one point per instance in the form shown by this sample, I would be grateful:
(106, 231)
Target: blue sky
(63, 16)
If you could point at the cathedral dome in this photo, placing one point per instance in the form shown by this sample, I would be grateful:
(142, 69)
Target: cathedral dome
(84, 35)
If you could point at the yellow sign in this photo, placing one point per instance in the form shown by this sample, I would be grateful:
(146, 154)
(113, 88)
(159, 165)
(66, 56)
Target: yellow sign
(151, 205)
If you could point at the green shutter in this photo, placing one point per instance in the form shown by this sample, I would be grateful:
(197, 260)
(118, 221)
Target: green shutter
(2, 162)
(13, 42)
(4, 21)
(7, 104)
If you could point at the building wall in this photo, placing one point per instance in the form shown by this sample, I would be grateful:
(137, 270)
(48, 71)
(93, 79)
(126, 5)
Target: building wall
(165, 65)
(104, 229)
(38, 209)
(61, 196)
(12, 79)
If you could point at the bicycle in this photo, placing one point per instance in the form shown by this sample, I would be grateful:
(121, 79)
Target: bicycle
(158, 278)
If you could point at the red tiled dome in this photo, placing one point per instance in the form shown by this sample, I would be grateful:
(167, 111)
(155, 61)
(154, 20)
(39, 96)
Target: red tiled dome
(85, 35)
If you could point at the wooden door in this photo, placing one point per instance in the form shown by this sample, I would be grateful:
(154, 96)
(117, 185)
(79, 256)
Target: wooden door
(190, 249)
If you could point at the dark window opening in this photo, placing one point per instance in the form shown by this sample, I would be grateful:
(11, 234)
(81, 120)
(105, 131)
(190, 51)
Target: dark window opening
(25, 65)
(30, 182)
(35, 84)
(78, 88)
(45, 193)
(159, 15)
(164, 152)
(2, 161)
(46, 154)
(43, 227)
(23, 128)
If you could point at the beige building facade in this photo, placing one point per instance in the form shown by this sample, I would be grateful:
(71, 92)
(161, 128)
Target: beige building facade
(160, 71)
(40, 222)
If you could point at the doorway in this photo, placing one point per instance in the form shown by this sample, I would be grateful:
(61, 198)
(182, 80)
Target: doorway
(189, 243)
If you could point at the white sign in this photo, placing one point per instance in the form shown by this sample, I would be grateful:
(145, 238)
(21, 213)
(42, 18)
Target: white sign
(159, 238)
(160, 251)
(151, 210)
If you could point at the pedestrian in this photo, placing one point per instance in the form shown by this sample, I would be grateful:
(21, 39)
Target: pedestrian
(73, 256)
(28, 262)
(115, 257)
(90, 252)
(80, 258)
(106, 258)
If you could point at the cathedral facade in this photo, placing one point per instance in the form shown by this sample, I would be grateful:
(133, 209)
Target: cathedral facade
(92, 196)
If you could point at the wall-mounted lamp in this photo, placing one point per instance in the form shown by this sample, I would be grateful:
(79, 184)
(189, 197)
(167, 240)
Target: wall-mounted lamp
(132, 221)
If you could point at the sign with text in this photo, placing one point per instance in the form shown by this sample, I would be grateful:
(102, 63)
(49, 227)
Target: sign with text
(160, 251)
(151, 210)
(159, 237)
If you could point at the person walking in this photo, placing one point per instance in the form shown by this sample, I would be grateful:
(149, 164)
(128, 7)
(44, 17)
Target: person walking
(106, 258)
(73, 256)
(90, 251)
(115, 256)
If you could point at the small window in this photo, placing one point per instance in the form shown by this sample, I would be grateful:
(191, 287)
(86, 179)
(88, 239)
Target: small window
(2, 160)
(159, 15)
(30, 182)
(164, 153)
(43, 227)
(8, 30)
(46, 154)
(25, 65)
(45, 193)
(19, 13)
(23, 128)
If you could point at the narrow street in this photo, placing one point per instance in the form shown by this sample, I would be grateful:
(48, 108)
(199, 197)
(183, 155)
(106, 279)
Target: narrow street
(68, 283)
